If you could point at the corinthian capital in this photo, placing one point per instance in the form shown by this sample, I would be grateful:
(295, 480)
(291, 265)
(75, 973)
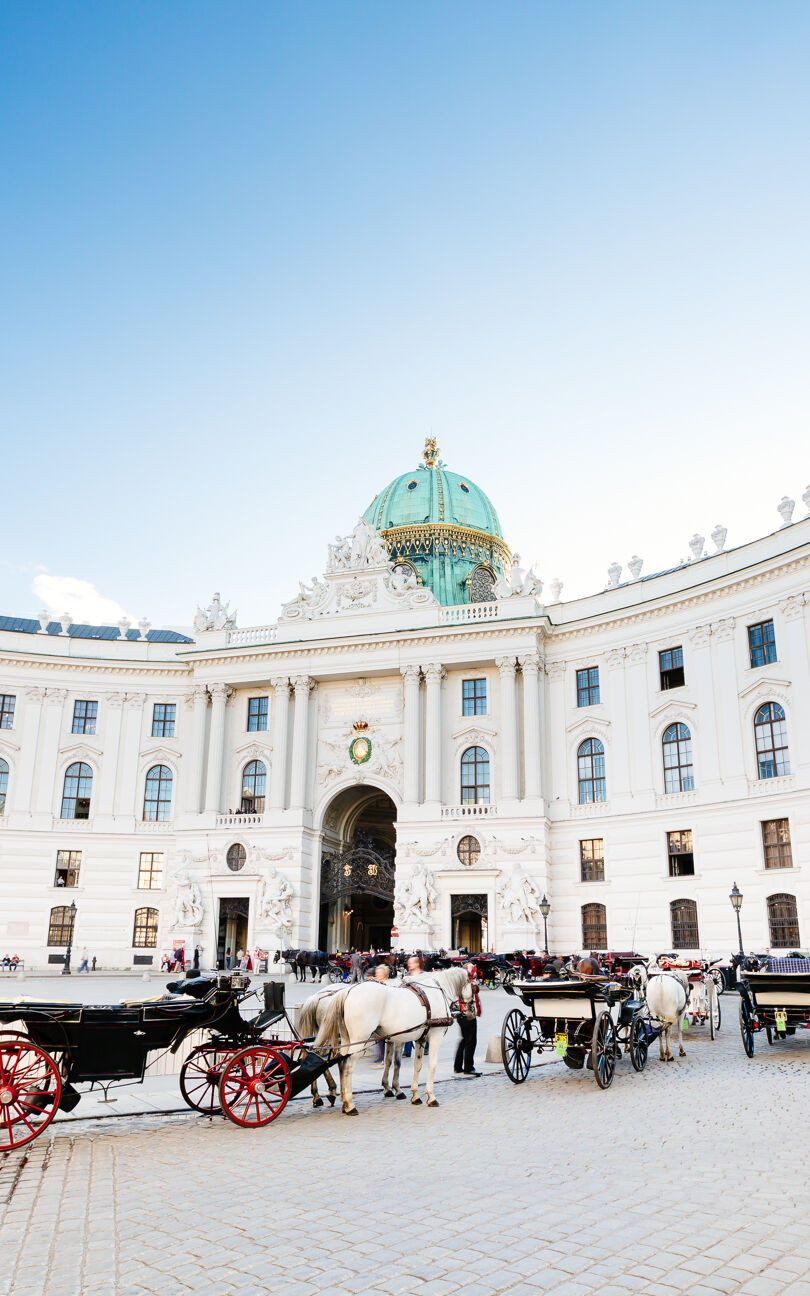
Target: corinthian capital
(280, 683)
(302, 684)
(530, 663)
(556, 670)
(723, 630)
(793, 607)
(410, 674)
(220, 693)
(506, 666)
(434, 673)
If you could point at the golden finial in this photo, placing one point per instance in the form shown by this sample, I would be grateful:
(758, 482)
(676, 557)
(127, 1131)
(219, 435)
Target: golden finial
(431, 452)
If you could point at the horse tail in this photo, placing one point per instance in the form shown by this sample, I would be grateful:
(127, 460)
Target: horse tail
(308, 1017)
(334, 1022)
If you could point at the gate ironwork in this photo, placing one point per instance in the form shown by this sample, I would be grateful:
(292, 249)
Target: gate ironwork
(464, 904)
(360, 869)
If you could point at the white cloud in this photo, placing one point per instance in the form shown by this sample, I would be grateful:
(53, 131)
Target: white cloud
(78, 597)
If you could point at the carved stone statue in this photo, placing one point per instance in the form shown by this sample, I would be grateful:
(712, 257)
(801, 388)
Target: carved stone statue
(518, 582)
(403, 578)
(274, 902)
(215, 617)
(417, 896)
(519, 897)
(188, 906)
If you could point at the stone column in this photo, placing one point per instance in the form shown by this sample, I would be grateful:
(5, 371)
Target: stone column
(434, 674)
(704, 741)
(298, 779)
(199, 702)
(794, 632)
(45, 796)
(617, 759)
(638, 722)
(113, 713)
(412, 772)
(281, 726)
(530, 665)
(216, 748)
(509, 728)
(21, 789)
(558, 739)
(129, 798)
(729, 726)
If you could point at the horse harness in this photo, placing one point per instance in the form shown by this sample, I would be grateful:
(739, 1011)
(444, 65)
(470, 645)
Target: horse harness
(430, 1020)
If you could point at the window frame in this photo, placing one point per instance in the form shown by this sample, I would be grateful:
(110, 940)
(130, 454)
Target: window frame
(676, 852)
(478, 696)
(238, 852)
(84, 722)
(84, 783)
(671, 672)
(154, 870)
(145, 927)
(471, 847)
(258, 799)
(766, 647)
(69, 866)
(595, 864)
(776, 849)
(682, 742)
(165, 776)
(59, 927)
(779, 756)
(479, 761)
(587, 688)
(163, 726)
(593, 918)
(8, 705)
(5, 774)
(684, 923)
(261, 713)
(591, 782)
(777, 920)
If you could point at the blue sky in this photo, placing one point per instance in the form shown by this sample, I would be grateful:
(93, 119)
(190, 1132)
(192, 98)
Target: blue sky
(251, 255)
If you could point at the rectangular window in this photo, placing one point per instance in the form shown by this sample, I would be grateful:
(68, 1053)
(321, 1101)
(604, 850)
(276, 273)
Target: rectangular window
(762, 643)
(776, 843)
(592, 860)
(164, 715)
(84, 717)
(257, 714)
(150, 871)
(588, 686)
(7, 701)
(67, 868)
(670, 664)
(679, 849)
(473, 697)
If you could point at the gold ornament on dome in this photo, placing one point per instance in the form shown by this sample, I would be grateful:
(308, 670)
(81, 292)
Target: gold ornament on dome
(430, 454)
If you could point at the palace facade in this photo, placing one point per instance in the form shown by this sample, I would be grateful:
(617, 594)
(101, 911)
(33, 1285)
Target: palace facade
(421, 741)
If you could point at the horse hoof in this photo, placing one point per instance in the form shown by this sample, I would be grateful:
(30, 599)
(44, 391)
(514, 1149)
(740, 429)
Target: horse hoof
(401, 1095)
(670, 1058)
(416, 1102)
(388, 1093)
(352, 1111)
(317, 1102)
(433, 1102)
(331, 1100)
(682, 1053)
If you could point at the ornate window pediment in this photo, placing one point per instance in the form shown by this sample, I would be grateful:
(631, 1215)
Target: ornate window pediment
(672, 710)
(157, 755)
(79, 751)
(768, 686)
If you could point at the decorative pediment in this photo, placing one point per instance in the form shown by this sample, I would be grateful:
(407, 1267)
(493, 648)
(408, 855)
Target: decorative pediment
(764, 684)
(587, 727)
(254, 751)
(79, 751)
(475, 733)
(160, 755)
(7, 746)
(675, 709)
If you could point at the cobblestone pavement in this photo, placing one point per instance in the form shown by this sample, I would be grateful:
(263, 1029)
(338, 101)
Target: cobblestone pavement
(692, 1177)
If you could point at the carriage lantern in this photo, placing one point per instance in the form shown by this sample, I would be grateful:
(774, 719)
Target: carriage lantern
(736, 904)
(66, 968)
(545, 909)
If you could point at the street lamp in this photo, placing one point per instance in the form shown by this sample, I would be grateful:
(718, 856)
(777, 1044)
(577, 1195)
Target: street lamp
(66, 968)
(736, 904)
(545, 909)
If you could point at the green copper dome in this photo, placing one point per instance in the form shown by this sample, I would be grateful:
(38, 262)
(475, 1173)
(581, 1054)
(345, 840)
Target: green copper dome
(445, 527)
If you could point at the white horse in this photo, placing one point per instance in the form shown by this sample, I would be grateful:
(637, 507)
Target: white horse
(667, 997)
(310, 1019)
(393, 1013)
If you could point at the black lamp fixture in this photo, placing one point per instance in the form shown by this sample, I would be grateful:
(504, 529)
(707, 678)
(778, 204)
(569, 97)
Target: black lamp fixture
(736, 903)
(72, 911)
(545, 909)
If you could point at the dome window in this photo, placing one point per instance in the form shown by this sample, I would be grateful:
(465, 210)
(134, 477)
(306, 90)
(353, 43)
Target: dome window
(463, 486)
(412, 484)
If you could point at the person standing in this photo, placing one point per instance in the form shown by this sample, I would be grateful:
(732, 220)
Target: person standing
(468, 1025)
(84, 963)
(196, 958)
(356, 966)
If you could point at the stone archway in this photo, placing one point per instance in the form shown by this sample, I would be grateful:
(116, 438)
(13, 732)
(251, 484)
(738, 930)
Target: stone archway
(357, 870)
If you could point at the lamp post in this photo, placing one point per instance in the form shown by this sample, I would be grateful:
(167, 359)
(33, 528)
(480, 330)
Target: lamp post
(545, 909)
(736, 904)
(66, 968)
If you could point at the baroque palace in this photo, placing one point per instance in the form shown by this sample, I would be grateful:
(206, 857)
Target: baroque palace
(421, 742)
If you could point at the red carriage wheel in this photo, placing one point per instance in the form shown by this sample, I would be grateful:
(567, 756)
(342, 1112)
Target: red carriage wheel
(30, 1089)
(254, 1086)
(200, 1075)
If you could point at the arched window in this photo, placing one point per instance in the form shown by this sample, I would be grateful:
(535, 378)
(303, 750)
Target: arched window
(783, 921)
(145, 929)
(235, 859)
(482, 585)
(770, 732)
(591, 771)
(684, 920)
(59, 932)
(157, 799)
(77, 791)
(678, 773)
(3, 785)
(594, 927)
(475, 776)
(254, 779)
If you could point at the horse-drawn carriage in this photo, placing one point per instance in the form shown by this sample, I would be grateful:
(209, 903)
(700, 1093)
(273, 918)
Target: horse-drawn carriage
(774, 998)
(584, 1020)
(241, 1068)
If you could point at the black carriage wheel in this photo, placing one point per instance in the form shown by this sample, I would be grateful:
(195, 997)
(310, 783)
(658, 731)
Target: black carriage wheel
(516, 1046)
(718, 979)
(639, 1048)
(769, 1035)
(335, 974)
(715, 1015)
(603, 1050)
(199, 1077)
(747, 1027)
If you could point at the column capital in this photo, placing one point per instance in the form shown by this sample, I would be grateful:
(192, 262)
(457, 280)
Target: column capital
(115, 700)
(530, 663)
(220, 693)
(280, 683)
(723, 630)
(556, 669)
(55, 697)
(34, 693)
(636, 653)
(792, 607)
(699, 636)
(506, 665)
(135, 700)
(302, 684)
(434, 672)
(410, 674)
(615, 658)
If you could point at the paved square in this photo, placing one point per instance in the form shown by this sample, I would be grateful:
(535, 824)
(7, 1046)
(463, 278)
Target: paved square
(692, 1177)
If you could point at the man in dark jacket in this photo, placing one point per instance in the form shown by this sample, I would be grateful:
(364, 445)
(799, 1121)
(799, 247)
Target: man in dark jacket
(468, 1025)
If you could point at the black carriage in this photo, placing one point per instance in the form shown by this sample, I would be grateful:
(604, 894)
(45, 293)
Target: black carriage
(247, 1068)
(775, 998)
(585, 1021)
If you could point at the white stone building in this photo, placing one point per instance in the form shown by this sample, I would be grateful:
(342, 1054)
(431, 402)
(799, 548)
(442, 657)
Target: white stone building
(419, 719)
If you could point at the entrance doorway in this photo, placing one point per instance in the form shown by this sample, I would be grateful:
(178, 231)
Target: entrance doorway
(357, 871)
(470, 927)
(232, 930)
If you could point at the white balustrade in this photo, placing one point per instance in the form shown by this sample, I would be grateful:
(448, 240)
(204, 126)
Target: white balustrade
(254, 635)
(239, 820)
(468, 811)
(469, 612)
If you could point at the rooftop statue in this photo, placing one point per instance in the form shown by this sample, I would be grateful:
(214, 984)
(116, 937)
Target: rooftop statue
(518, 581)
(215, 617)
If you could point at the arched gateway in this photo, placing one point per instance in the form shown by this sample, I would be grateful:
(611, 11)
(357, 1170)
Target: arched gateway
(357, 870)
